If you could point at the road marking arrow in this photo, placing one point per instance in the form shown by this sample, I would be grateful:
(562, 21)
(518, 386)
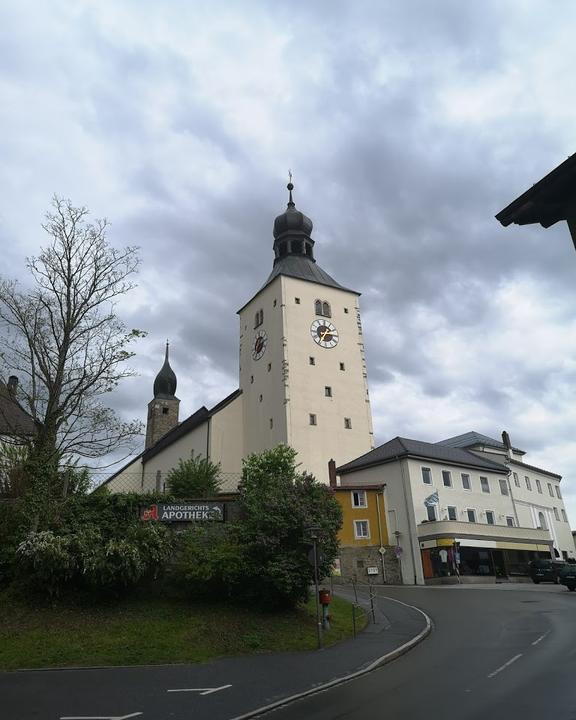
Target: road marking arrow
(100, 717)
(202, 691)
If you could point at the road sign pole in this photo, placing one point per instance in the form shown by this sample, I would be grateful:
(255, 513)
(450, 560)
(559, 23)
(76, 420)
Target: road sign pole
(317, 593)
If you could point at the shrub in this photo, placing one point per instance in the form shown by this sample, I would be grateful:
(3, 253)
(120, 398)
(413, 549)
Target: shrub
(46, 560)
(198, 477)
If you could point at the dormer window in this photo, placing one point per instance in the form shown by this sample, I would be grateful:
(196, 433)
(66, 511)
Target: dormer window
(322, 308)
(259, 318)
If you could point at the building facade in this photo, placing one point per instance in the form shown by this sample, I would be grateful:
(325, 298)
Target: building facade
(466, 508)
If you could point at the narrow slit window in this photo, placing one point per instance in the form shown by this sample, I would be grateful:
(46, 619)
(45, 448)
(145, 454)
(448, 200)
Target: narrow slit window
(342, 366)
(347, 423)
(312, 419)
(328, 391)
(311, 361)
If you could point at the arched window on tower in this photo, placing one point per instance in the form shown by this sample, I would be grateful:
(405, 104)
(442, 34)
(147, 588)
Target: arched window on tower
(326, 309)
(259, 318)
(322, 308)
(318, 307)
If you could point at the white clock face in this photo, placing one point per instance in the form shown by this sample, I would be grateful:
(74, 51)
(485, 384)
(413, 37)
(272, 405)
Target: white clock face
(324, 333)
(260, 342)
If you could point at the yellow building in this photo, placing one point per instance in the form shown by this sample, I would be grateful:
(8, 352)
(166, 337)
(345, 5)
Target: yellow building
(365, 555)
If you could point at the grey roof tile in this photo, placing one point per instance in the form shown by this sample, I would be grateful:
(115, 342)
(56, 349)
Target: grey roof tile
(469, 439)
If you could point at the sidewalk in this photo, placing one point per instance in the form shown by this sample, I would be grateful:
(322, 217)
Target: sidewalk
(239, 687)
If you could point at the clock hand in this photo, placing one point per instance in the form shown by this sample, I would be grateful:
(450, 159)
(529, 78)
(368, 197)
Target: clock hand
(326, 332)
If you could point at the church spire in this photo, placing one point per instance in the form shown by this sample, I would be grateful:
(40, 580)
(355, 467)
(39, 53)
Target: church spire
(165, 382)
(292, 231)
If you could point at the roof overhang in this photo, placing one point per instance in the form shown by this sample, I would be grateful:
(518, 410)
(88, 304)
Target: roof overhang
(551, 199)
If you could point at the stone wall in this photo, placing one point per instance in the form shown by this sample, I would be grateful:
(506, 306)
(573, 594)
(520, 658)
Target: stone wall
(354, 562)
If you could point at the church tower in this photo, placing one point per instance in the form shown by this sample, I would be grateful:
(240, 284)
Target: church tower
(163, 409)
(302, 365)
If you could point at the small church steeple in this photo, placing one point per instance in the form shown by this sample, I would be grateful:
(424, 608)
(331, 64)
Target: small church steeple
(163, 409)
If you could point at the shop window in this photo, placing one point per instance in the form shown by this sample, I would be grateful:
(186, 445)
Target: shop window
(466, 481)
(359, 499)
(484, 484)
(426, 476)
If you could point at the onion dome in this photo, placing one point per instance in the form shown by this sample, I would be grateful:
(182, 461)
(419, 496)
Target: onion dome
(165, 383)
(292, 232)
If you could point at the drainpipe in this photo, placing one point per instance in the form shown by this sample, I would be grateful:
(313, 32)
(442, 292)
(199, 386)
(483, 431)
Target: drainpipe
(380, 531)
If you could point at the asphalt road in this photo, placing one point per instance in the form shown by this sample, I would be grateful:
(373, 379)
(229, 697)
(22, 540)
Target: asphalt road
(499, 652)
(504, 652)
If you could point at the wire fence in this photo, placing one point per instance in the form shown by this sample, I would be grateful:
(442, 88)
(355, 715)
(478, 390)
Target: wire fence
(141, 481)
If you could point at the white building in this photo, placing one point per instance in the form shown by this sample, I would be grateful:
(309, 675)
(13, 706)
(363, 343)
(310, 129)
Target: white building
(469, 506)
(302, 377)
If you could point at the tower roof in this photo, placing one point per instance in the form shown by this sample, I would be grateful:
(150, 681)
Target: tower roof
(165, 382)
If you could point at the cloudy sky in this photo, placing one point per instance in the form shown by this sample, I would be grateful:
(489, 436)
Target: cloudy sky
(407, 125)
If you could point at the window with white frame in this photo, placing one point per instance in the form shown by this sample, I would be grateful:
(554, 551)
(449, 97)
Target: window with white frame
(516, 479)
(558, 495)
(359, 499)
(431, 512)
(528, 484)
(556, 514)
(564, 516)
(490, 517)
(484, 484)
(550, 491)
(447, 478)
(503, 486)
(452, 513)
(426, 476)
(466, 481)
(509, 521)
(361, 529)
(539, 486)
(471, 515)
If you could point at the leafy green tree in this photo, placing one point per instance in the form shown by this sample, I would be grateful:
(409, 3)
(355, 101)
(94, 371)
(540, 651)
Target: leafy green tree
(198, 477)
(279, 505)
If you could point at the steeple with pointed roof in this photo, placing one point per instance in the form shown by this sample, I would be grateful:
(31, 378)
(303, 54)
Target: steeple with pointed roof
(163, 409)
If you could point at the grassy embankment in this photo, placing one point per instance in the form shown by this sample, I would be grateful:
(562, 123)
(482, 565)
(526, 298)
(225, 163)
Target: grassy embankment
(153, 630)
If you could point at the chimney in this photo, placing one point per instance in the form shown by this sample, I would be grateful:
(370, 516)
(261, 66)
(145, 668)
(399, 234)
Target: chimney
(506, 440)
(332, 473)
(12, 385)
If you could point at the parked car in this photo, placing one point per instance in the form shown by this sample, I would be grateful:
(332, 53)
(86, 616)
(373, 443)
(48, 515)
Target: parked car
(545, 570)
(567, 576)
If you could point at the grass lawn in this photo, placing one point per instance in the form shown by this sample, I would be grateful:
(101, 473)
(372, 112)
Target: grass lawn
(153, 630)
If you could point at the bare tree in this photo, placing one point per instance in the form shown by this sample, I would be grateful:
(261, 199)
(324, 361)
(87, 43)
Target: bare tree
(62, 338)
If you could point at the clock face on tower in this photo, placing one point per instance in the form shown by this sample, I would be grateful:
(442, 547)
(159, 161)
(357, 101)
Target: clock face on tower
(324, 333)
(260, 342)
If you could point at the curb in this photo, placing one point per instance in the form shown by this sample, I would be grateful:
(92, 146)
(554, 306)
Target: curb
(379, 662)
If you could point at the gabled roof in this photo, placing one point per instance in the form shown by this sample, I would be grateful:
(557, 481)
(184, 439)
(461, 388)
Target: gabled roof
(472, 438)
(403, 447)
(192, 422)
(14, 420)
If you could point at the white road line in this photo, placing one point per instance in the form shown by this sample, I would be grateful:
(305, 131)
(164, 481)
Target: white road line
(202, 691)
(100, 717)
(541, 638)
(506, 664)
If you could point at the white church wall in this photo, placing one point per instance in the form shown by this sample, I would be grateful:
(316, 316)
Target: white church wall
(194, 441)
(226, 439)
(306, 383)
